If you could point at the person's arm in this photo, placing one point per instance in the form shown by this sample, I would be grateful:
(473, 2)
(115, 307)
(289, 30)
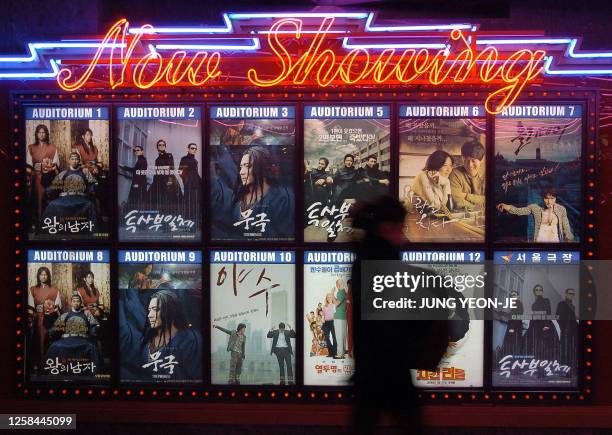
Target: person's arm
(222, 329)
(456, 185)
(94, 326)
(307, 168)
(425, 188)
(58, 302)
(56, 161)
(340, 301)
(128, 169)
(475, 198)
(29, 161)
(90, 178)
(31, 300)
(183, 168)
(362, 177)
(521, 211)
(270, 333)
(566, 228)
(291, 332)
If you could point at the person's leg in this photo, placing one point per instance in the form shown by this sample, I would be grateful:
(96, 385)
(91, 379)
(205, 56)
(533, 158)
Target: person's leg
(287, 357)
(232, 370)
(281, 365)
(333, 334)
(340, 328)
(238, 367)
(326, 333)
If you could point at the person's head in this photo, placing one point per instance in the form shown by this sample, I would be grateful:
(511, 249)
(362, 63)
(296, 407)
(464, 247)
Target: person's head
(312, 313)
(320, 305)
(339, 283)
(255, 169)
(472, 153)
(440, 161)
(161, 146)
(371, 161)
(550, 198)
(191, 149)
(569, 294)
(76, 303)
(281, 326)
(43, 276)
(89, 278)
(239, 126)
(383, 217)
(323, 163)
(165, 311)
(514, 294)
(329, 298)
(241, 329)
(349, 284)
(75, 160)
(42, 134)
(349, 159)
(148, 269)
(138, 151)
(87, 137)
(89, 281)
(538, 290)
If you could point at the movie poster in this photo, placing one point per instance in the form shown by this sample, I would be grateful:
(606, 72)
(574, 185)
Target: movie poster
(537, 174)
(160, 312)
(442, 172)
(536, 343)
(68, 336)
(347, 158)
(252, 310)
(462, 366)
(328, 318)
(252, 171)
(159, 173)
(67, 167)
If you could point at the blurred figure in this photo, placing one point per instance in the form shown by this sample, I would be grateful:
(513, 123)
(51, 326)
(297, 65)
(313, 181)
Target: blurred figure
(568, 325)
(386, 350)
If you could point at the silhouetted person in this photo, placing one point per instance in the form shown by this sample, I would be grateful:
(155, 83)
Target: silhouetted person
(386, 350)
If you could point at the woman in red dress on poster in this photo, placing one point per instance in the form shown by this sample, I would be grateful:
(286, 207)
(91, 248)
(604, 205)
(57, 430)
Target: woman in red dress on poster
(89, 153)
(42, 165)
(44, 305)
(90, 295)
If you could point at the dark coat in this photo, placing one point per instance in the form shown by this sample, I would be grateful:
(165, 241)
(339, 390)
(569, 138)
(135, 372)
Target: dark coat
(385, 350)
(289, 334)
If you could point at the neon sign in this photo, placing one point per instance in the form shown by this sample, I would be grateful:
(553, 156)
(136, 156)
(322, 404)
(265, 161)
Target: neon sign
(319, 61)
